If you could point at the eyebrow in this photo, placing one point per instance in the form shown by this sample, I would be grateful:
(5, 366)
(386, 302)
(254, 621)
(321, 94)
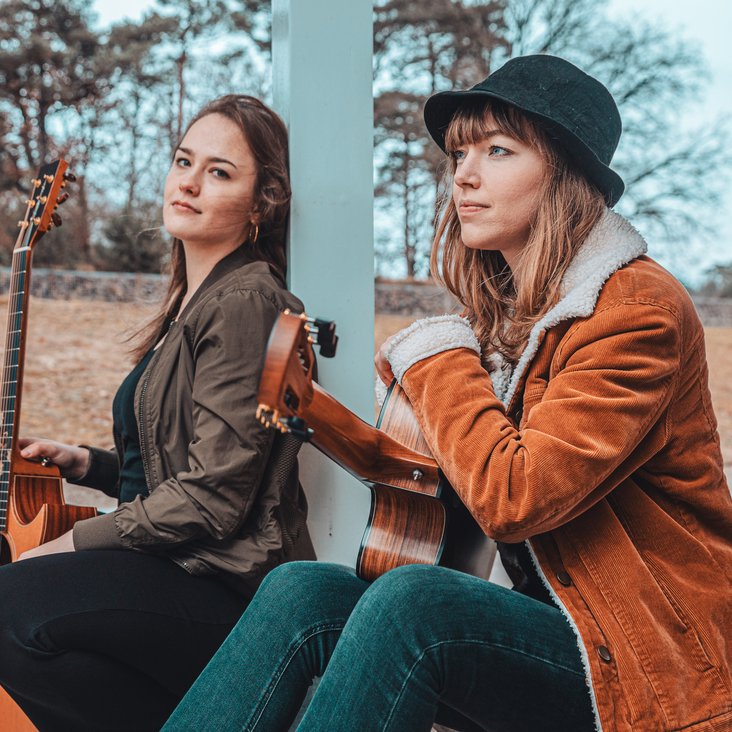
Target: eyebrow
(211, 160)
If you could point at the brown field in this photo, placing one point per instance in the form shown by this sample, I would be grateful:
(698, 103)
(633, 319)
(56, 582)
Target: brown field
(76, 357)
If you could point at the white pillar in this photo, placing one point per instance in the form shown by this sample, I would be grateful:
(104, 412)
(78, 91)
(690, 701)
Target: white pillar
(322, 74)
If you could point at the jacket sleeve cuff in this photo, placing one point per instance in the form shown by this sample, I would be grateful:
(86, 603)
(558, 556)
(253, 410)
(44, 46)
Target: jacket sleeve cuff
(427, 337)
(102, 472)
(99, 532)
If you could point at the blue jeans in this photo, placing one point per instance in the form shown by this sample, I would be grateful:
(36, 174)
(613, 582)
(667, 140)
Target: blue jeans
(420, 644)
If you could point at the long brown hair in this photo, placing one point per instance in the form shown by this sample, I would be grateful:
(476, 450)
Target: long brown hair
(503, 304)
(266, 136)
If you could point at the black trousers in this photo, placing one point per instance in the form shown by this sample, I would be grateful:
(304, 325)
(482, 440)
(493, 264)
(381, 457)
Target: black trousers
(107, 640)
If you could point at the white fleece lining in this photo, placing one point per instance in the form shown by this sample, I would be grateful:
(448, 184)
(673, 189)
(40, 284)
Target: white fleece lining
(427, 337)
(612, 243)
(577, 637)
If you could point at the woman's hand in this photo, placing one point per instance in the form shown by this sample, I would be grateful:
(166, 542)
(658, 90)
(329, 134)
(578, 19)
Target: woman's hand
(64, 543)
(72, 460)
(383, 367)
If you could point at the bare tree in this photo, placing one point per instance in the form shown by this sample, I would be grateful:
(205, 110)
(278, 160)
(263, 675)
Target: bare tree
(674, 176)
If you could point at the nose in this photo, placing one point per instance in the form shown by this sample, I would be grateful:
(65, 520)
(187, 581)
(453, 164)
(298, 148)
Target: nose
(188, 183)
(466, 172)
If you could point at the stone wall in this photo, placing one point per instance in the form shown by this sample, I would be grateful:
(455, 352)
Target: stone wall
(61, 284)
(392, 297)
(418, 299)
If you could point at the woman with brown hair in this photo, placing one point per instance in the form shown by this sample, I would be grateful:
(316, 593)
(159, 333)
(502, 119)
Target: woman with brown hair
(569, 409)
(106, 627)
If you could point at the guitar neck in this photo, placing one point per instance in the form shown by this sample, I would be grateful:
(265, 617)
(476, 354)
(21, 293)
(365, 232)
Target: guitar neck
(15, 337)
(12, 374)
(366, 452)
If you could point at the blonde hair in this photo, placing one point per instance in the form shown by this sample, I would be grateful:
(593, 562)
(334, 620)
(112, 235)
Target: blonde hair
(503, 305)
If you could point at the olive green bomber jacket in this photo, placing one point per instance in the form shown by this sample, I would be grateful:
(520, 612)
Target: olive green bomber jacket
(224, 496)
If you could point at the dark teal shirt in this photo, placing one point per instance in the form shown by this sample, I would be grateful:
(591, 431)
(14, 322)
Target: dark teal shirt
(131, 473)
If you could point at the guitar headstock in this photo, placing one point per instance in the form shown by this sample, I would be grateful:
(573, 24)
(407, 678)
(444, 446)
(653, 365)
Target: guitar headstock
(46, 196)
(286, 385)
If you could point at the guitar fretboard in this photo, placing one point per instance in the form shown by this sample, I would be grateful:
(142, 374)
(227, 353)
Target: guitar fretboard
(12, 371)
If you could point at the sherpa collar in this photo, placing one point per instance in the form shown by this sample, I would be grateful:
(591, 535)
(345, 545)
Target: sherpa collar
(611, 244)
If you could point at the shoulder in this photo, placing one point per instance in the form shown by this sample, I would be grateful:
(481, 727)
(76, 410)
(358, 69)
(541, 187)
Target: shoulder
(244, 304)
(643, 284)
(250, 287)
(252, 281)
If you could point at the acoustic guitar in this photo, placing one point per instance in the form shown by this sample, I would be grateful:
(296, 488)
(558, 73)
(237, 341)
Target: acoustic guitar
(32, 506)
(416, 517)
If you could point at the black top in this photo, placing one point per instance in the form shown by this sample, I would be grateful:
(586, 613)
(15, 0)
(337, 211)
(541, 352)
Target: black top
(131, 472)
(520, 568)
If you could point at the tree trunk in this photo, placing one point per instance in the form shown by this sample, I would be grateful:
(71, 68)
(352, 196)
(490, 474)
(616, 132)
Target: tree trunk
(84, 235)
(181, 61)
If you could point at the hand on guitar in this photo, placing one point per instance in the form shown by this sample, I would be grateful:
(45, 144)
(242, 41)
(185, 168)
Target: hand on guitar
(64, 543)
(72, 460)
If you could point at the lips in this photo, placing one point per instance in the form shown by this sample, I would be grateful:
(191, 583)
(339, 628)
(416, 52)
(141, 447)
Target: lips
(468, 207)
(184, 206)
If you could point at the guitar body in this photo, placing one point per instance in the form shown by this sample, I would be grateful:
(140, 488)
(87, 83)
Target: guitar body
(415, 524)
(13, 719)
(37, 511)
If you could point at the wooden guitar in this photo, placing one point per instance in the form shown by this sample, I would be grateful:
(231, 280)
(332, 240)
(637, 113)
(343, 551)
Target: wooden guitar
(415, 517)
(32, 506)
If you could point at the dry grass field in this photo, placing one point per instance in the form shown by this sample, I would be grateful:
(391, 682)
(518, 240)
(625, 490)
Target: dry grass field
(76, 357)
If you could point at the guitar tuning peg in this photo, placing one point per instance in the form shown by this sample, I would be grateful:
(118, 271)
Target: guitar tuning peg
(56, 219)
(62, 198)
(70, 177)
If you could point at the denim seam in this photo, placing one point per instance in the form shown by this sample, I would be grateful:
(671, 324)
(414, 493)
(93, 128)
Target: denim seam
(289, 655)
(501, 646)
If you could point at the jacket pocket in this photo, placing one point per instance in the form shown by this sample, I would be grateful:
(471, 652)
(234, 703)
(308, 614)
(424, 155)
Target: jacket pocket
(700, 657)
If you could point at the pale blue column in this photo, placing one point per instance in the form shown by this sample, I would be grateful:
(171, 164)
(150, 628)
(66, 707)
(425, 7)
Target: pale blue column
(322, 61)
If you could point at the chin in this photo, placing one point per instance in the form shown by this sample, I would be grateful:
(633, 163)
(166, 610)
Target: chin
(478, 244)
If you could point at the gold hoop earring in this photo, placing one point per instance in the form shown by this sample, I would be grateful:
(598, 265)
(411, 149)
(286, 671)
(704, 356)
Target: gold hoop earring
(253, 239)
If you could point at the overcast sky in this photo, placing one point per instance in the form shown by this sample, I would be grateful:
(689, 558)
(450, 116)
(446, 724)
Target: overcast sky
(706, 22)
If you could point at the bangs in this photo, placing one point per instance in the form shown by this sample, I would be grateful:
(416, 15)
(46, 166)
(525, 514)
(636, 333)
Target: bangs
(475, 120)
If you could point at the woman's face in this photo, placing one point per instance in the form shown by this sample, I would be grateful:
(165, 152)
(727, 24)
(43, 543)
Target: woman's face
(496, 189)
(210, 186)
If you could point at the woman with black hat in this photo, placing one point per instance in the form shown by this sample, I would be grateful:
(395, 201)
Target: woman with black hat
(568, 406)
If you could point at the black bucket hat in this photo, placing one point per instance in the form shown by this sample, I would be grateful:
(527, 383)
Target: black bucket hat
(576, 110)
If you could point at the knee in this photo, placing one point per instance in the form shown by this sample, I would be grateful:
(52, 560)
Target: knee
(306, 589)
(403, 588)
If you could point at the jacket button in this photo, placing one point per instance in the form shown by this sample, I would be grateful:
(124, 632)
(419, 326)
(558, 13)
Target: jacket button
(604, 653)
(564, 578)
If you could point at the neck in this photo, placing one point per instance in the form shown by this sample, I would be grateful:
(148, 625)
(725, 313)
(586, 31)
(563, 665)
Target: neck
(200, 260)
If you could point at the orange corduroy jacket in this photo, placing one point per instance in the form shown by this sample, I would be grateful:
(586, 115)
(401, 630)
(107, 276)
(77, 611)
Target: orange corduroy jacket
(600, 450)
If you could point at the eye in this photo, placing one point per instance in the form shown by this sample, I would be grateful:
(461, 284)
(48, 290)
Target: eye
(457, 155)
(220, 173)
(182, 162)
(499, 151)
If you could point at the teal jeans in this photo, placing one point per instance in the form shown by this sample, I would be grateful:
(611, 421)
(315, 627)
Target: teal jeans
(420, 644)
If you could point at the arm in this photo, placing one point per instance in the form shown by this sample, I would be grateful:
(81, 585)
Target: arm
(614, 379)
(228, 450)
